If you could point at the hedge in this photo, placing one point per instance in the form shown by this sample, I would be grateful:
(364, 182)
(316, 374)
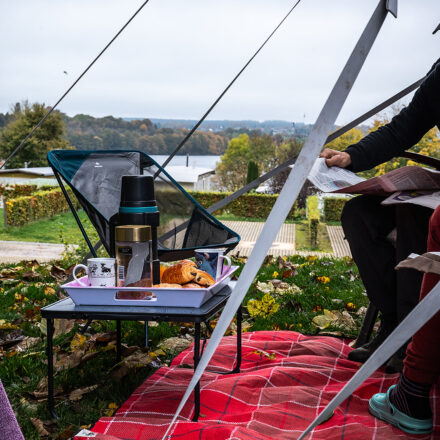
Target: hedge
(15, 190)
(333, 208)
(249, 205)
(33, 206)
(40, 204)
(313, 216)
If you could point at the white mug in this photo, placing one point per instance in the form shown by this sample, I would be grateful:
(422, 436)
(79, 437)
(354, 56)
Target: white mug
(211, 261)
(100, 272)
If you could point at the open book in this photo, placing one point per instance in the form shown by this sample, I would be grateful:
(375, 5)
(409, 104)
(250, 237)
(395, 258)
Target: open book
(409, 184)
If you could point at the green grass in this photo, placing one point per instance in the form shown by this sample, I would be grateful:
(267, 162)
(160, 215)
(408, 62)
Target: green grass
(303, 241)
(61, 227)
(21, 371)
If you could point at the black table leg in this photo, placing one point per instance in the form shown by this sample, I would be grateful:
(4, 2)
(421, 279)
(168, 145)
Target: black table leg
(118, 341)
(50, 391)
(196, 362)
(146, 334)
(239, 321)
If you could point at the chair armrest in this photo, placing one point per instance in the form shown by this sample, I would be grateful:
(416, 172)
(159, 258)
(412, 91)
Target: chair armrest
(421, 158)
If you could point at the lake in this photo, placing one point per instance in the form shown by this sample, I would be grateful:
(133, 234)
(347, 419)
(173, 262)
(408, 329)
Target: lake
(194, 161)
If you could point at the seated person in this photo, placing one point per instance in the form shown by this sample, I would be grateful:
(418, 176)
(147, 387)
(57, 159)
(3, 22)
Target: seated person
(367, 224)
(406, 405)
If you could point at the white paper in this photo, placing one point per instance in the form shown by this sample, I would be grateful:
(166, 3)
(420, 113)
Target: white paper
(423, 198)
(340, 180)
(333, 178)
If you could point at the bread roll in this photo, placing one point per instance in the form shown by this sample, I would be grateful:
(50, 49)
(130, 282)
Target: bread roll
(203, 278)
(180, 273)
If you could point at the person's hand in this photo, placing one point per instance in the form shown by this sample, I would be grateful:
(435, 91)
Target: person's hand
(335, 158)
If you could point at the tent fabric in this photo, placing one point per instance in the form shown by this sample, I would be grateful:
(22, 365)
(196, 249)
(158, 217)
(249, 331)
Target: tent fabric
(286, 379)
(95, 178)
(9, 428)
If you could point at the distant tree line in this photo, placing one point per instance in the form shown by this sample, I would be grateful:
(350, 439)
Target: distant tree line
(88, 133)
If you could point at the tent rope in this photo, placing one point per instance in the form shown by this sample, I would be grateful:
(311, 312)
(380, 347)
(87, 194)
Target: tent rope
(196, 126)
(17, 149)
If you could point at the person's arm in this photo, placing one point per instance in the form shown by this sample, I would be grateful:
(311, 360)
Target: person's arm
(404, 130)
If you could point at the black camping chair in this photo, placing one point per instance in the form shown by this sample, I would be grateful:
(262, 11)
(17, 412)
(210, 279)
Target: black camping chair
(372, 311)
(95, 179)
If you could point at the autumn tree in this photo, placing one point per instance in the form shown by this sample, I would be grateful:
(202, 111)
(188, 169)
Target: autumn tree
(232, 169)
(48, 136)
(342, 142)
(429, 145)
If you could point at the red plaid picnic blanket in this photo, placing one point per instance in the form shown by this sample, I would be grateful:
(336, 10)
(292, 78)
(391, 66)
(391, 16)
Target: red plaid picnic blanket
(286, 379)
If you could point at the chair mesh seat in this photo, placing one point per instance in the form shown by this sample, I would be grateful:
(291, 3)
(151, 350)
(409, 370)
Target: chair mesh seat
(95, 179)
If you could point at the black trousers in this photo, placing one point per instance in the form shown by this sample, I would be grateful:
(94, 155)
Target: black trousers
(367, 225)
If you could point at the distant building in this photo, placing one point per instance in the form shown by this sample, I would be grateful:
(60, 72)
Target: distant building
(191, 178)
(22, 176)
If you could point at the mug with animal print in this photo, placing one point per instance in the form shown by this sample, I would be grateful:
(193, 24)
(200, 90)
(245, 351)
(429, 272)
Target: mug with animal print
(100, 272)
(211, 261)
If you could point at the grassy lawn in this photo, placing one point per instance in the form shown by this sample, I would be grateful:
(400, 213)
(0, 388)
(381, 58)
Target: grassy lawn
(62, 228)
(303, 240)
(58, 229)
(321, 284)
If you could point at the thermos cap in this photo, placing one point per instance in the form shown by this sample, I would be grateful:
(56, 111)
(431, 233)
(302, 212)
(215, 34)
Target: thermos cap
(137, 191)
(135, 233)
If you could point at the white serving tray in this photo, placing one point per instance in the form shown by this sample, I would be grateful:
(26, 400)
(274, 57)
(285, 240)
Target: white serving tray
(162, 297)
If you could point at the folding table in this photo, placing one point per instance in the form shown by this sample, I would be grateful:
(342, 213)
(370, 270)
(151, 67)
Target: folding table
(66, 309)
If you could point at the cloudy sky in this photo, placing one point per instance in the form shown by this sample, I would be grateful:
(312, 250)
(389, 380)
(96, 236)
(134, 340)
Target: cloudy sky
(177, 56)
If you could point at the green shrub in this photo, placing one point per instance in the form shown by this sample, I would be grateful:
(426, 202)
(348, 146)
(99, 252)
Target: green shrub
(333, 208)
(16, 190)
(313, 216)
(12, 191)
(248, 205)
(40, 204)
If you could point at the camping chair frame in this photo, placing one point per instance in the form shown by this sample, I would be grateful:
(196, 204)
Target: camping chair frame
(165, 253)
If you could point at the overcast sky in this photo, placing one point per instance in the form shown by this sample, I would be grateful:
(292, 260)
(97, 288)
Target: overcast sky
(176, 57)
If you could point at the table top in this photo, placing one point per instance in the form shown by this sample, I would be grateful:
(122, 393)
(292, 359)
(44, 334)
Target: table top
(66, 308)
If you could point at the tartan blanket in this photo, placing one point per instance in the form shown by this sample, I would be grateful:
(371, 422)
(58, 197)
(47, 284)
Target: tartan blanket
(286, 379)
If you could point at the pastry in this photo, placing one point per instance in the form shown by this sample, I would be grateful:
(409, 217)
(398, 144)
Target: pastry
(203, 278)
(192, 286)
(168, 285)
(180, 273)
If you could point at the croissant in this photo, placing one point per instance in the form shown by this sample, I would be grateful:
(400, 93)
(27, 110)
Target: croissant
(168, 285)
(192, 286)
(203, 278)
(180, 273)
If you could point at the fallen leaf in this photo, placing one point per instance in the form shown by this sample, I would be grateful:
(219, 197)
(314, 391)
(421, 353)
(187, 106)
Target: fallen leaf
(66, 433)
(39, 426)
(287, 273)
(49, 290)
(11, 338)
(77, 342)
(174, 344)
(136, 360)
(28, 276)
(79, 393)
(104, 337)
(62, 326)
(59, 273)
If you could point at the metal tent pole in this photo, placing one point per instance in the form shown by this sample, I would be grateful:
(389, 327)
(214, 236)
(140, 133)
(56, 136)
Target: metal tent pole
(294, 183)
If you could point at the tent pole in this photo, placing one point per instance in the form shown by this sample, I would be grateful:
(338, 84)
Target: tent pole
(78, 221)
(288, 195)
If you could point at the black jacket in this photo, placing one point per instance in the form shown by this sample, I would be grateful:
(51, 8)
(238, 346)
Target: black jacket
(404, 130)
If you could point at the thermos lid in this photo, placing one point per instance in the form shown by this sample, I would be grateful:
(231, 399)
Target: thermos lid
(137, 191)
(135, 233)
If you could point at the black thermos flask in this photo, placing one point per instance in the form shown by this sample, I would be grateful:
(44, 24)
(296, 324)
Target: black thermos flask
(138, 207)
